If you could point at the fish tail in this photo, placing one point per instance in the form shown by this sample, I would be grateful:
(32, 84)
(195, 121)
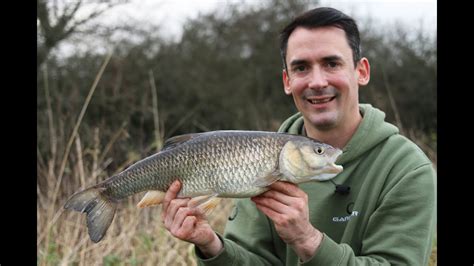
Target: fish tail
(100, 210)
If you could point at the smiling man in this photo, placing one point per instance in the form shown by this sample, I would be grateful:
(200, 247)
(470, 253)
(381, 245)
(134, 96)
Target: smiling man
(387, 212)
(324, 78)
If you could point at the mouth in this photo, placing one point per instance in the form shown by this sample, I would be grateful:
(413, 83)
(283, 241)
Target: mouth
(320, 99)
(334, 168)
(336, 154)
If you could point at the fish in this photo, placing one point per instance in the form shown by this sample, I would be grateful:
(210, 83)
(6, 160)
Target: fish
(210, 165)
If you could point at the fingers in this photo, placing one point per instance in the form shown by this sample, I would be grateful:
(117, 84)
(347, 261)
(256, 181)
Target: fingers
(174, 207)
(277, 196)
(268, 211)
(287, 188)
(183, 221)
(178, 218)
(283, 200)
(271, 203)
(169, 196)
(280, 216)
(188, 225)
(283, 193)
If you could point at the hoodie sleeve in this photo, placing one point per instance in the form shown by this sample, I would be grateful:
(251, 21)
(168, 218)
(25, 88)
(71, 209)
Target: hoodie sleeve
(248, 239)
(399, 232)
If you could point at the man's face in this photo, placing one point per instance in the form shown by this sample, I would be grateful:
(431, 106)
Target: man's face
(322, 77)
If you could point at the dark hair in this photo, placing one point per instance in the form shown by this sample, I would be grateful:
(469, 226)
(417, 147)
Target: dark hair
(319, 17)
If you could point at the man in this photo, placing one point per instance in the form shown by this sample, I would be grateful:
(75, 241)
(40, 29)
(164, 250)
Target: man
(388, 216)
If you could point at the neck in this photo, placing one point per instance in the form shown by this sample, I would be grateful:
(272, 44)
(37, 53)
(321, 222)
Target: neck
(338, 136)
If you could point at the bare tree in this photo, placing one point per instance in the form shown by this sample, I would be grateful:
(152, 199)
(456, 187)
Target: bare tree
(57, 21)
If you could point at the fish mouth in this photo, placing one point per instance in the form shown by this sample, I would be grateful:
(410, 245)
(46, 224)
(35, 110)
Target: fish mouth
(336, 154)
(333, 168)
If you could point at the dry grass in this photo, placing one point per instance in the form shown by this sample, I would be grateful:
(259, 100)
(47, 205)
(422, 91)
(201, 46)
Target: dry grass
(136, 237)
(434, 255)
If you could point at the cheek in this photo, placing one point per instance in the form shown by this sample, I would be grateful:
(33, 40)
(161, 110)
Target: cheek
(297, 85)
(345, 85)
(340, 80)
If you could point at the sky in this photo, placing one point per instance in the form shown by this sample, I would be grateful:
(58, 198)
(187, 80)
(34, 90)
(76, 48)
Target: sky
(171, 14)
(409, 12)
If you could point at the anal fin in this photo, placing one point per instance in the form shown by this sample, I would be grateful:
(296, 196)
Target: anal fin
(152, 197)
(206, 204)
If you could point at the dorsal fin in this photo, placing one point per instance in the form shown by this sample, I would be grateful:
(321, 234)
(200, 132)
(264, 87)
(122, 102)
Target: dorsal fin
(177, 140)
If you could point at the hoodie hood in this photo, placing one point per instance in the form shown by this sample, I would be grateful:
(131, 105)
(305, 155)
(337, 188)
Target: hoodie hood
(371, 131)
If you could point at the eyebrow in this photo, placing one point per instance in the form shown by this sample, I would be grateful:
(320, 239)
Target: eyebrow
(298, 62)
(333, 58)
(329, 58)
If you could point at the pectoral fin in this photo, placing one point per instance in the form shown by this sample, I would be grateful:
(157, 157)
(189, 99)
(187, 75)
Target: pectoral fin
(152, 197)
(205, 203)
(266, 180)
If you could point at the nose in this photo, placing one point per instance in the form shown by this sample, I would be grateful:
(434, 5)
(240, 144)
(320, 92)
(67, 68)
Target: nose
(317, 79)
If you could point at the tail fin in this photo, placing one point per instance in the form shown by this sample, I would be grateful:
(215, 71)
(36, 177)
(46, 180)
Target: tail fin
(100, 210)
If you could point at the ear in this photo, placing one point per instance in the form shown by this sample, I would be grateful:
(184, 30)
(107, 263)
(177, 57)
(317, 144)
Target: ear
(286, 83)
(363, 71)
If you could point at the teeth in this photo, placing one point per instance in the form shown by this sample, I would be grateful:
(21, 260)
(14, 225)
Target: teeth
(316, 101)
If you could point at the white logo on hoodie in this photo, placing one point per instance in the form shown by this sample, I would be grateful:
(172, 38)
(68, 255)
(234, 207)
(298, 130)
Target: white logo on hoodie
(344, 218)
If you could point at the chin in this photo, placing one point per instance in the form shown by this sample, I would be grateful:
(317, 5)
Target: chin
(324, 125)
(323, 122)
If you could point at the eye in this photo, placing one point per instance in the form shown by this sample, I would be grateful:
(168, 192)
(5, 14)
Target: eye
(299, 68)
(332, 64)
(319, 150)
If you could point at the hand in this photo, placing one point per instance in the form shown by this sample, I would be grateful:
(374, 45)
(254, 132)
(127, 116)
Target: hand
(287, 206)
(188, 224)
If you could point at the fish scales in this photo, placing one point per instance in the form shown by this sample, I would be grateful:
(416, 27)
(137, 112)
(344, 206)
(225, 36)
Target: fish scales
(231, 167)
(217, 163)
(224, 164)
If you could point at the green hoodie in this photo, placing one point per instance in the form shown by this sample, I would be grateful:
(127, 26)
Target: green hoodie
(389, 216)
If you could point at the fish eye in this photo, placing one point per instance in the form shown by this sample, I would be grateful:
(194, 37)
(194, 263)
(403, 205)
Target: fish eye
(319, 150)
